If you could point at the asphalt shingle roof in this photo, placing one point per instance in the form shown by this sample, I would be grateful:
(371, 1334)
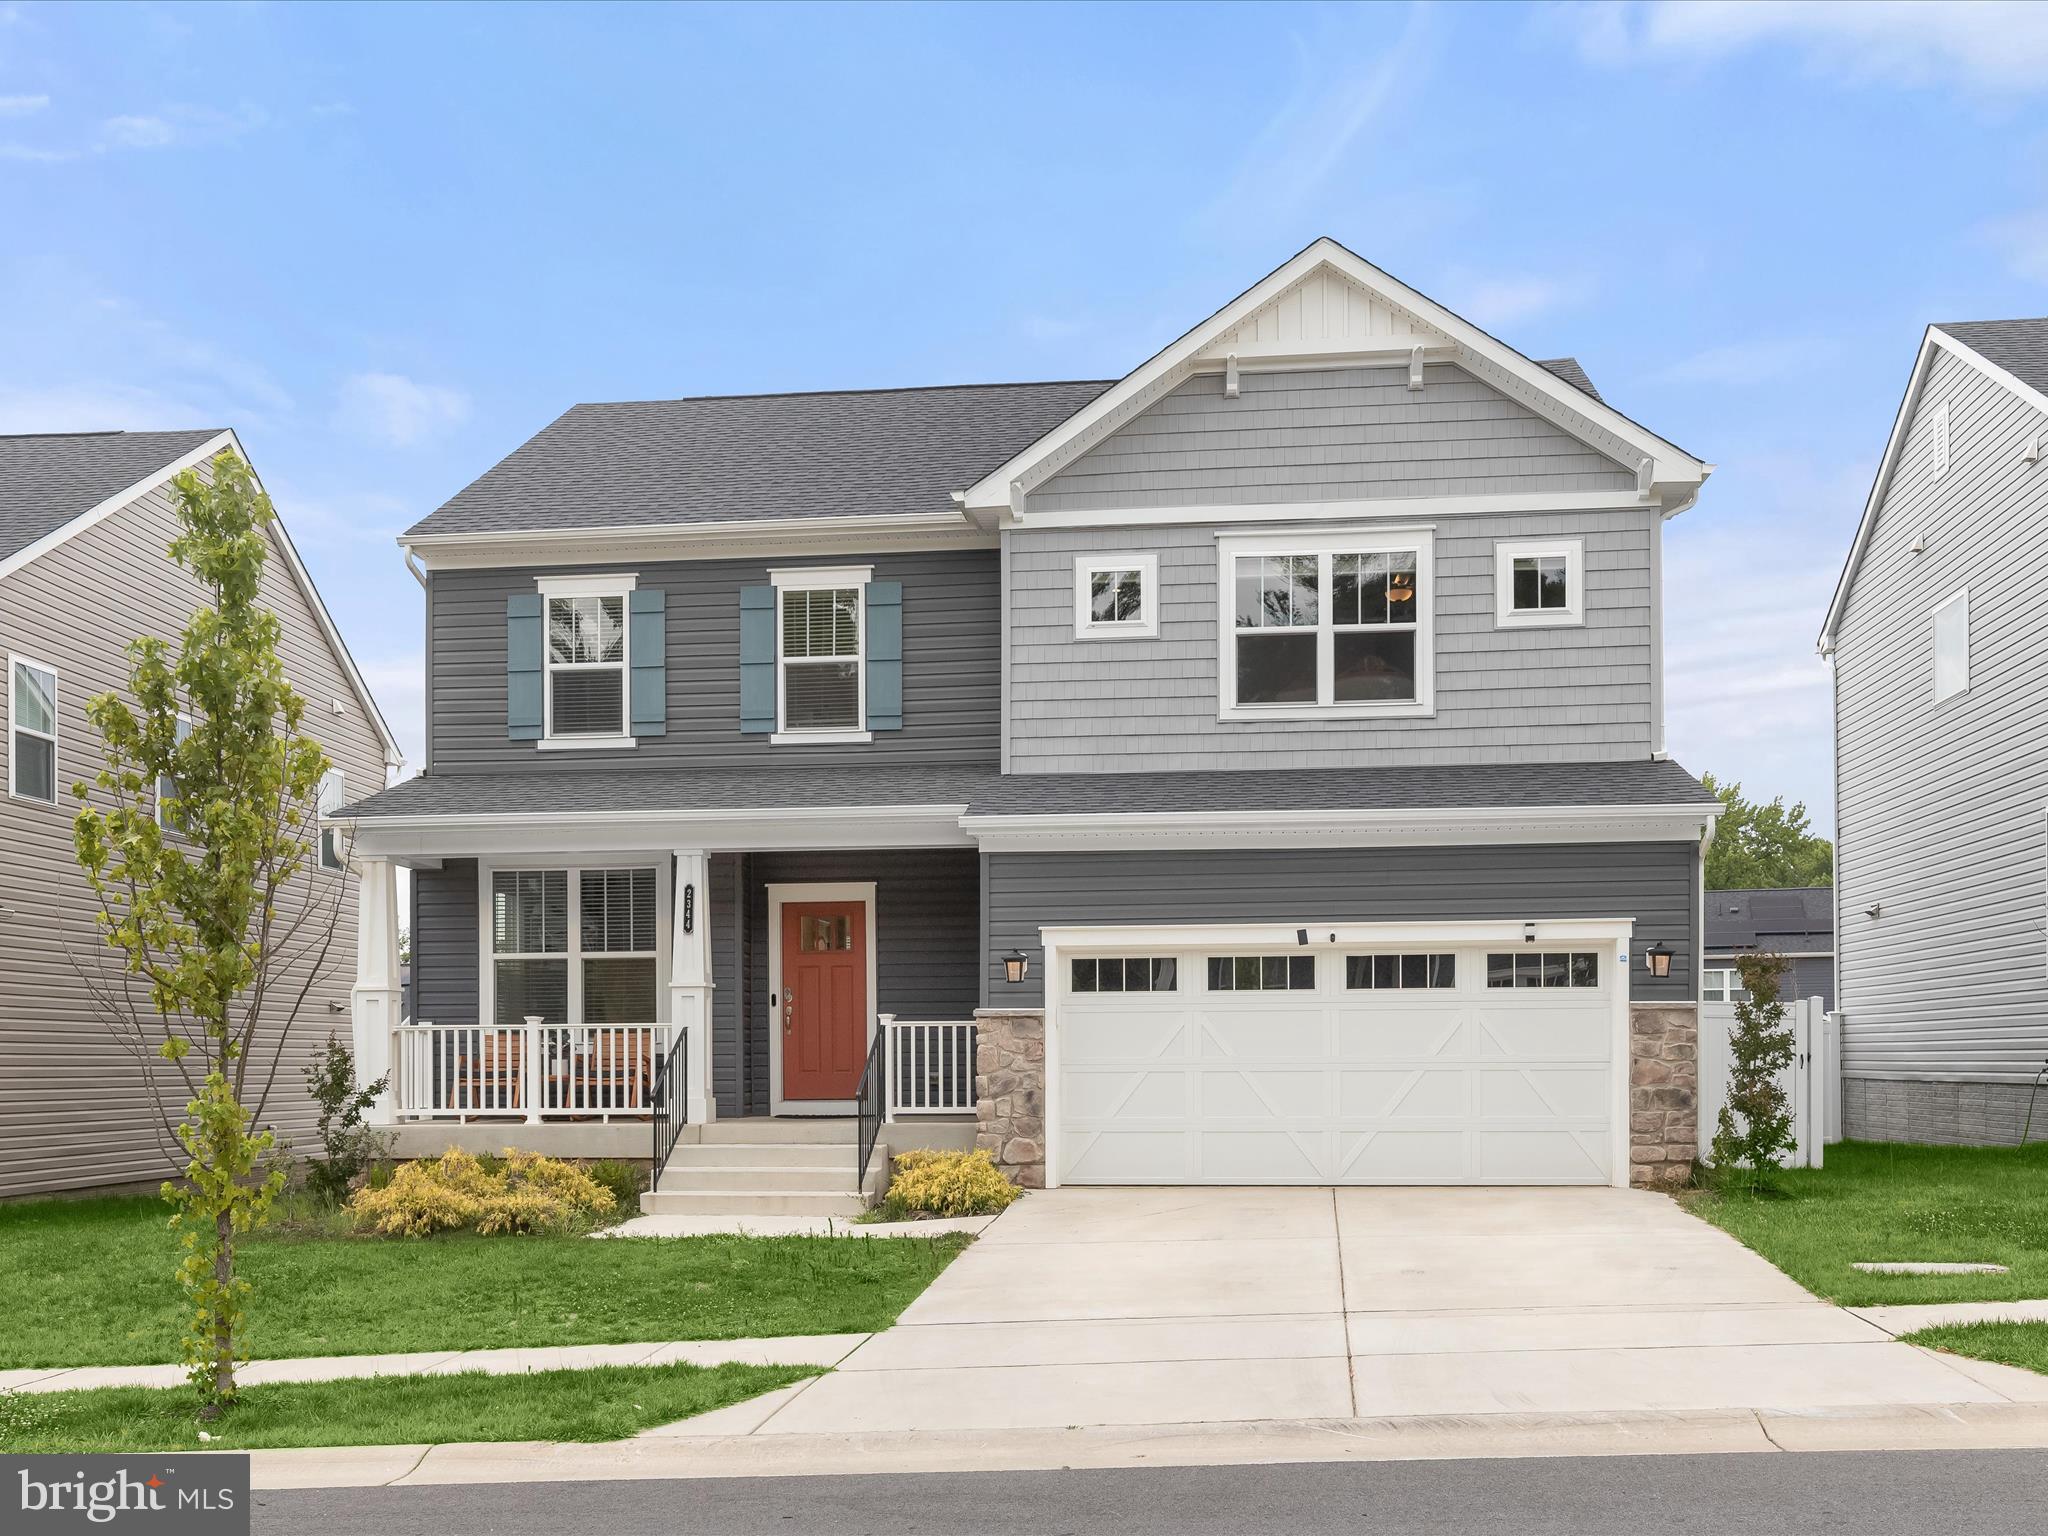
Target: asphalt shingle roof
(986, 792)
(2020, 347)
(1568, 369)
(1797, 919)
(47, 479)
(726, 458)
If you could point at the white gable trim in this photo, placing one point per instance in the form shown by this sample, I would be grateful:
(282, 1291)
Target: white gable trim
(95, 515)
(1660, 465)
(1935, 340)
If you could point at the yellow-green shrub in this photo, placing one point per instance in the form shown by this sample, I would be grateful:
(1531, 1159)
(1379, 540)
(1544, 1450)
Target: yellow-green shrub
(520, 1192)
(926, 1183)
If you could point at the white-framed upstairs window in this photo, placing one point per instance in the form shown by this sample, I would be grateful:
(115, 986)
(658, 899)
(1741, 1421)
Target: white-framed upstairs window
(1952, 646)
(1326, 626)
(1116, 597)
(1539, 582)
(821, 691)
(585, 661)
(333, 796)
(31, 730)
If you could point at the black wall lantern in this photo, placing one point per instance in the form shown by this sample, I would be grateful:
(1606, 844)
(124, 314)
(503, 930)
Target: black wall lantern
(1016, 966)
(1657, 961)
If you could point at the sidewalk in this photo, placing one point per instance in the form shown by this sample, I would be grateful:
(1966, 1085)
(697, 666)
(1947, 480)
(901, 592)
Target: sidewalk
(822, 1349)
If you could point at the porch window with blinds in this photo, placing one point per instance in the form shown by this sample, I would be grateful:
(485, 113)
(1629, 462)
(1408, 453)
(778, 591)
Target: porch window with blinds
(530, 945)
(574, 946)
(618, 929)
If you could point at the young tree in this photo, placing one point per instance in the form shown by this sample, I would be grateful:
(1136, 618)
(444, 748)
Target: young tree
(1755, 1125)
(191, 845)
(1757, 844)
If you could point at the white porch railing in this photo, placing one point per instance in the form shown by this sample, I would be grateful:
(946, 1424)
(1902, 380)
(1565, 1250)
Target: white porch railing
(931, 1067)
(528, 1072)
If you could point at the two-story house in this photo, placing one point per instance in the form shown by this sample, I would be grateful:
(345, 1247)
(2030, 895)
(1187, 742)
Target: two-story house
(86, 521)
(1249, 770)
(1938, 639)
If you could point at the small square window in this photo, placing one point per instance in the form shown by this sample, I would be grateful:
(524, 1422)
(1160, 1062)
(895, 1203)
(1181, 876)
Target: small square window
(1539, 582)
(1116, 596)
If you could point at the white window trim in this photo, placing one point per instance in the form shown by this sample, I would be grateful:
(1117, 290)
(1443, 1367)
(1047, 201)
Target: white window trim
(621, 586)
(1934, 640)
(13, 756)
(487, 978)
(1326, 543)
(338, 799)
(1145, 626)
(1506, 552)
(823, 578)
(186, 721)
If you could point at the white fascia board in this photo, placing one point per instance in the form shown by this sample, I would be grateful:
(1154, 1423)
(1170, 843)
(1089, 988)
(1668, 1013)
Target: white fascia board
(393, 757)
(1323, 934)
(1343, 829)
(99, 513)
(789, 537)
(735, 831)
(1935, 339)
(1343, 511)
(1670, 465)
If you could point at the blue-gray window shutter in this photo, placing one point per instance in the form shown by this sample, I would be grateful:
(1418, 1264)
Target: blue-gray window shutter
(885, 655)
(647, 644)
(757, 659)
(522, 666)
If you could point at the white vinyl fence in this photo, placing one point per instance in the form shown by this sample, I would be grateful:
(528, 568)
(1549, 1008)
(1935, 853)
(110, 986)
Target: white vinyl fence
(1812, 1083)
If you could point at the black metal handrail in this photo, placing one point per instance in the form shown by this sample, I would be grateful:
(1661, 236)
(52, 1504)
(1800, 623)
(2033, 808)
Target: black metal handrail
(869, 1103)
(670, 1098)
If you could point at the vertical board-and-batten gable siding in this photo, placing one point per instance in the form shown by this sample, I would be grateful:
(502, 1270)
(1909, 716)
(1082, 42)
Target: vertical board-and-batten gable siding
(952, 707)
(1570, 693)
(1940, 807)
(1328, 434)
(73, 1109)
(1656, 884)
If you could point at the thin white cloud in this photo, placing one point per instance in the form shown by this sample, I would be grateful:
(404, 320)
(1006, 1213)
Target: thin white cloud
(22, 106)
(36, 154)
(136, 132)
(1974, 43)
(397, 410)
(1502, 300)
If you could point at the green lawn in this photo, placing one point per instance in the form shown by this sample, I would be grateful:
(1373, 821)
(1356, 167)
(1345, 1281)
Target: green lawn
(604, 1404)
(1886, 1200)
(89, 1282)
(2021, 1344)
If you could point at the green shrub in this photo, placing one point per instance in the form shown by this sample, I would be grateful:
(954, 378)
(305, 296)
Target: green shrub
(350, 1145)
(520, 1192)
(625, 1180)
(926, 1183)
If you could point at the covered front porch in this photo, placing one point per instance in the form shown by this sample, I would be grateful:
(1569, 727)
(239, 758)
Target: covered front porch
(596, 1000)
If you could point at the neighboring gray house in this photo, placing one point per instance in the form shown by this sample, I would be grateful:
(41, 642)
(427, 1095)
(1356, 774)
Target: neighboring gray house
(85, 519)
(1250, 770)
(1938, 635)
(1796, 924)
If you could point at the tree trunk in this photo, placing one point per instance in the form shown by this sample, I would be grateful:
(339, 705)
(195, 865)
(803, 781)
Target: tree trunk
(223, 1332)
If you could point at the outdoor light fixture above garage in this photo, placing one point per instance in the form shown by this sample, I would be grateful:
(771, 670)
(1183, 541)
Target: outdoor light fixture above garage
(1657, 960)
(1016, 965)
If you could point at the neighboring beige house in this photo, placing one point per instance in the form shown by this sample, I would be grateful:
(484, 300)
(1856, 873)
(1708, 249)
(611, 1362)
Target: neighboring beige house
(85, 521)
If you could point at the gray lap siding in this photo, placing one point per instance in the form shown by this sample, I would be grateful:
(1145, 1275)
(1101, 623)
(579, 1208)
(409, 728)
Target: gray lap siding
(1656, 884)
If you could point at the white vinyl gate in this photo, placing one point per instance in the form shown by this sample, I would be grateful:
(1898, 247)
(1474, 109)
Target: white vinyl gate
(1811, 1083)
(1336, 1083)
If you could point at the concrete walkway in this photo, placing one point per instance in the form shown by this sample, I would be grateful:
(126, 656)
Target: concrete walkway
(822, 1349)
(1910, 1319)
(1106, 1307)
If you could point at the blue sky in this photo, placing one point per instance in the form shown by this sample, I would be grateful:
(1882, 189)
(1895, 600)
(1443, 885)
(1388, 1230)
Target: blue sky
(388, 244)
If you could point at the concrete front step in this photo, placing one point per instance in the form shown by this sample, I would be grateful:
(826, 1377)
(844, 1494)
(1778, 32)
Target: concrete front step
(756, 1154)
(714, 1179)
(752, 1203)
(822, 1129)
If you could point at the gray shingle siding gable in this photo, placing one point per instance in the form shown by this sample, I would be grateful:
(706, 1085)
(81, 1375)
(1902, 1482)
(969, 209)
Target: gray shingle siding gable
(1328, 435)
(1940, 818)
(1565, 694)
(951, 691)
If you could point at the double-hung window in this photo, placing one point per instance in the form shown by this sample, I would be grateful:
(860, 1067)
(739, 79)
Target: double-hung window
(1116, 597)
(333, 795)
(31, 730)
(1313, 627)
(820, 671)
(1539, 582)
(575, 946)
(586, 660)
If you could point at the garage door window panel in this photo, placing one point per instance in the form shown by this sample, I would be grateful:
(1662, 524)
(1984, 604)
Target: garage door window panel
(1124, 974)
(1544, 968)
(1262, 973)
(1385, 973)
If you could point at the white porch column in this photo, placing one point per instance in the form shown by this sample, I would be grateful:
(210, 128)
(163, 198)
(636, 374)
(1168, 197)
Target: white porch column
(377, 996)
(689, 990)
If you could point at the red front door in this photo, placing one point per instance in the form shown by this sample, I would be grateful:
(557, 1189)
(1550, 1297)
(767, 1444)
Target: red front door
(824, 1003)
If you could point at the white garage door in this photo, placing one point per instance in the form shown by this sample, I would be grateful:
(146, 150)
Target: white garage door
(1433, 1065)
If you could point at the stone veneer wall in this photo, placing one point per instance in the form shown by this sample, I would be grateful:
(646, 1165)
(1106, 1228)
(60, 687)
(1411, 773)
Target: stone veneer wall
(1663, 1092)
(1956, 1114)
(1009, 1091)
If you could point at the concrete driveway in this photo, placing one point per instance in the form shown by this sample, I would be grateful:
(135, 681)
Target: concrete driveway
(1177, 1306)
